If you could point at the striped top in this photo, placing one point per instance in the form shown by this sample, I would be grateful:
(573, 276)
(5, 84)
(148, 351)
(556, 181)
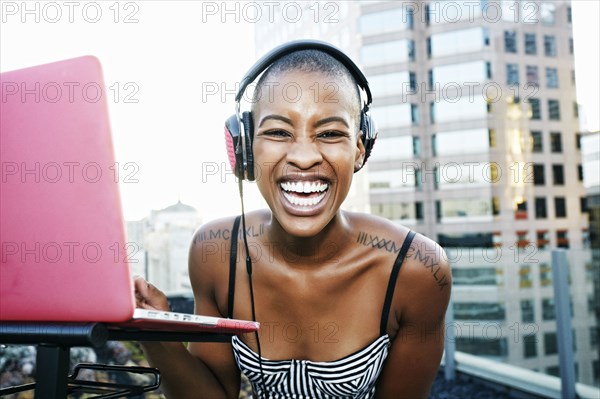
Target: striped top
(353, 376)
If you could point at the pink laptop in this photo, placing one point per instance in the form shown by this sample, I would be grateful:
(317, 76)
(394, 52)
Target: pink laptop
(63, 241)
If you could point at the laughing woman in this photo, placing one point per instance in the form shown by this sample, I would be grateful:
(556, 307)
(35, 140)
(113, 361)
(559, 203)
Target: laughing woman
(350, 305)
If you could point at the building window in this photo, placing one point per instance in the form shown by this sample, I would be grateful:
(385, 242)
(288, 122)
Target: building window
(548, 13)
(479, 311)
(432, 112)
(414, 114)
(418, 179)
(541, 211)
(562, 239)
(419, 210)
(476, 276)
(548, 310)
(549, 46)
(543, 239)
(558, 175)
(522, 240)
(492, 138)
(429, 47)
(410, 20)
(416, 140)
(512, 74)
(536, 112)
(571, 46)
(385, 21)
(467, 240)
(583, 205)
(390, 52)
(532, 75)
(525, 276)
(411, 50)
(539, 177)
(594, 334)
(576, 113)
(412, 82)
(556, 142)
(573, 77)
(536, 141)
(527, 311)
(482, 346)
(580, 172)
(560, 207)
(407, 212)
(488, 70)
(530, 44)
(545, 275)
(552, 78)
(554, 110)
(495, 204)
(521, 211)
(430, 84)
(529, 346)
(550, 344)
(510, 41)
(569, 15)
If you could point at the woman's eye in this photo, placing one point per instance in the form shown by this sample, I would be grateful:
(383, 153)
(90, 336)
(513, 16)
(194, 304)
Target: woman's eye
(330, 134)
(276, 133)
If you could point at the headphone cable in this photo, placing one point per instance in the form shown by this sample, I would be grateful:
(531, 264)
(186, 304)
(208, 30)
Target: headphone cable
(249, 270)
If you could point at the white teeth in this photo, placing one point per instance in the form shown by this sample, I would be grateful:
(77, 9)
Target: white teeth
(300, 201)
(289, 188)
(304, 187)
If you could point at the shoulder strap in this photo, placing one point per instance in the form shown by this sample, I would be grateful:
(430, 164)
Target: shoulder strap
(232, 265)
(392, 283)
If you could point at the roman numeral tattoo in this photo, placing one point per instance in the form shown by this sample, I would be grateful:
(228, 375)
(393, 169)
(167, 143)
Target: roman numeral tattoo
(424, 258)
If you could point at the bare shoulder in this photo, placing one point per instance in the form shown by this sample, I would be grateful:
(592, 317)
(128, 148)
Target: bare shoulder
(425, 279)
(211, 246)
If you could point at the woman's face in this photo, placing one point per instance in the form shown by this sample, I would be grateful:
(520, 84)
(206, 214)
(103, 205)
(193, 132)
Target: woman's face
(306, 148)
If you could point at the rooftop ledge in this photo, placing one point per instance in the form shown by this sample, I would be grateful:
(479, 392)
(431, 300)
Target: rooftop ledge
(513, 381)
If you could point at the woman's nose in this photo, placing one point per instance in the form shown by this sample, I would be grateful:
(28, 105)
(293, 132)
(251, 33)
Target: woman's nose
(304, 153)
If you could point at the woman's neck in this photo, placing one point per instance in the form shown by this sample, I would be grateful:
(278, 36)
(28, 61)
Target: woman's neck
(318, 249)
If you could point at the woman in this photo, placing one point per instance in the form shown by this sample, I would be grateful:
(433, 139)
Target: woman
(344, 310)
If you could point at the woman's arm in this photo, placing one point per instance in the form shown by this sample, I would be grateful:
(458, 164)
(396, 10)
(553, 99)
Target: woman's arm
(421, 298)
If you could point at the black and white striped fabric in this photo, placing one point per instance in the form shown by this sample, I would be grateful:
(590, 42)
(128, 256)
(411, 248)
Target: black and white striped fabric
(353, 376)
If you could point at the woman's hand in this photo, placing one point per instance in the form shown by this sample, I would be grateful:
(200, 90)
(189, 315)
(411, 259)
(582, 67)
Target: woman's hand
(147, 296)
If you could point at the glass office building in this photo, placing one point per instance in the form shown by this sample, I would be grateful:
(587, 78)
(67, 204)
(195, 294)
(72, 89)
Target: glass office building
(479, 149)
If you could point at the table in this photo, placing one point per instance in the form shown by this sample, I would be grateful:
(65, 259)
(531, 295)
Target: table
(54, 340)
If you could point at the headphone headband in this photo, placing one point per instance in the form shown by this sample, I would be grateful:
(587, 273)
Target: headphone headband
(280, 51)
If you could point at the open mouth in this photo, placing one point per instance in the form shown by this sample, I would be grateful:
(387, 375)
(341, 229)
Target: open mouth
(304, 193)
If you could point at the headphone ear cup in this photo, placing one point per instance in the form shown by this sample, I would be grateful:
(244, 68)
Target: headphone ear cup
(249, 133)
(234, 152)
(369, 133)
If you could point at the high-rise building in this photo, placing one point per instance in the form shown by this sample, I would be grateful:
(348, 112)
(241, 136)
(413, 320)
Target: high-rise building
(477, 149)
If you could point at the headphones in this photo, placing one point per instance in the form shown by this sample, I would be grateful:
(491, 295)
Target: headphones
(239, 129)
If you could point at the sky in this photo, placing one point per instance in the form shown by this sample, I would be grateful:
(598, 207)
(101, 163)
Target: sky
(170, 70)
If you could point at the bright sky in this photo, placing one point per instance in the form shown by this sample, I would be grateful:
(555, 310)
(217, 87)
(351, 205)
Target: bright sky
(171, 69)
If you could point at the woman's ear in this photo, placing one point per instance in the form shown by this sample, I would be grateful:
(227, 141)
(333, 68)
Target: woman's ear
(359, 159)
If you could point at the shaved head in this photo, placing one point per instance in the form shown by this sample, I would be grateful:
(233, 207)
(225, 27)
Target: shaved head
(312, 61)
